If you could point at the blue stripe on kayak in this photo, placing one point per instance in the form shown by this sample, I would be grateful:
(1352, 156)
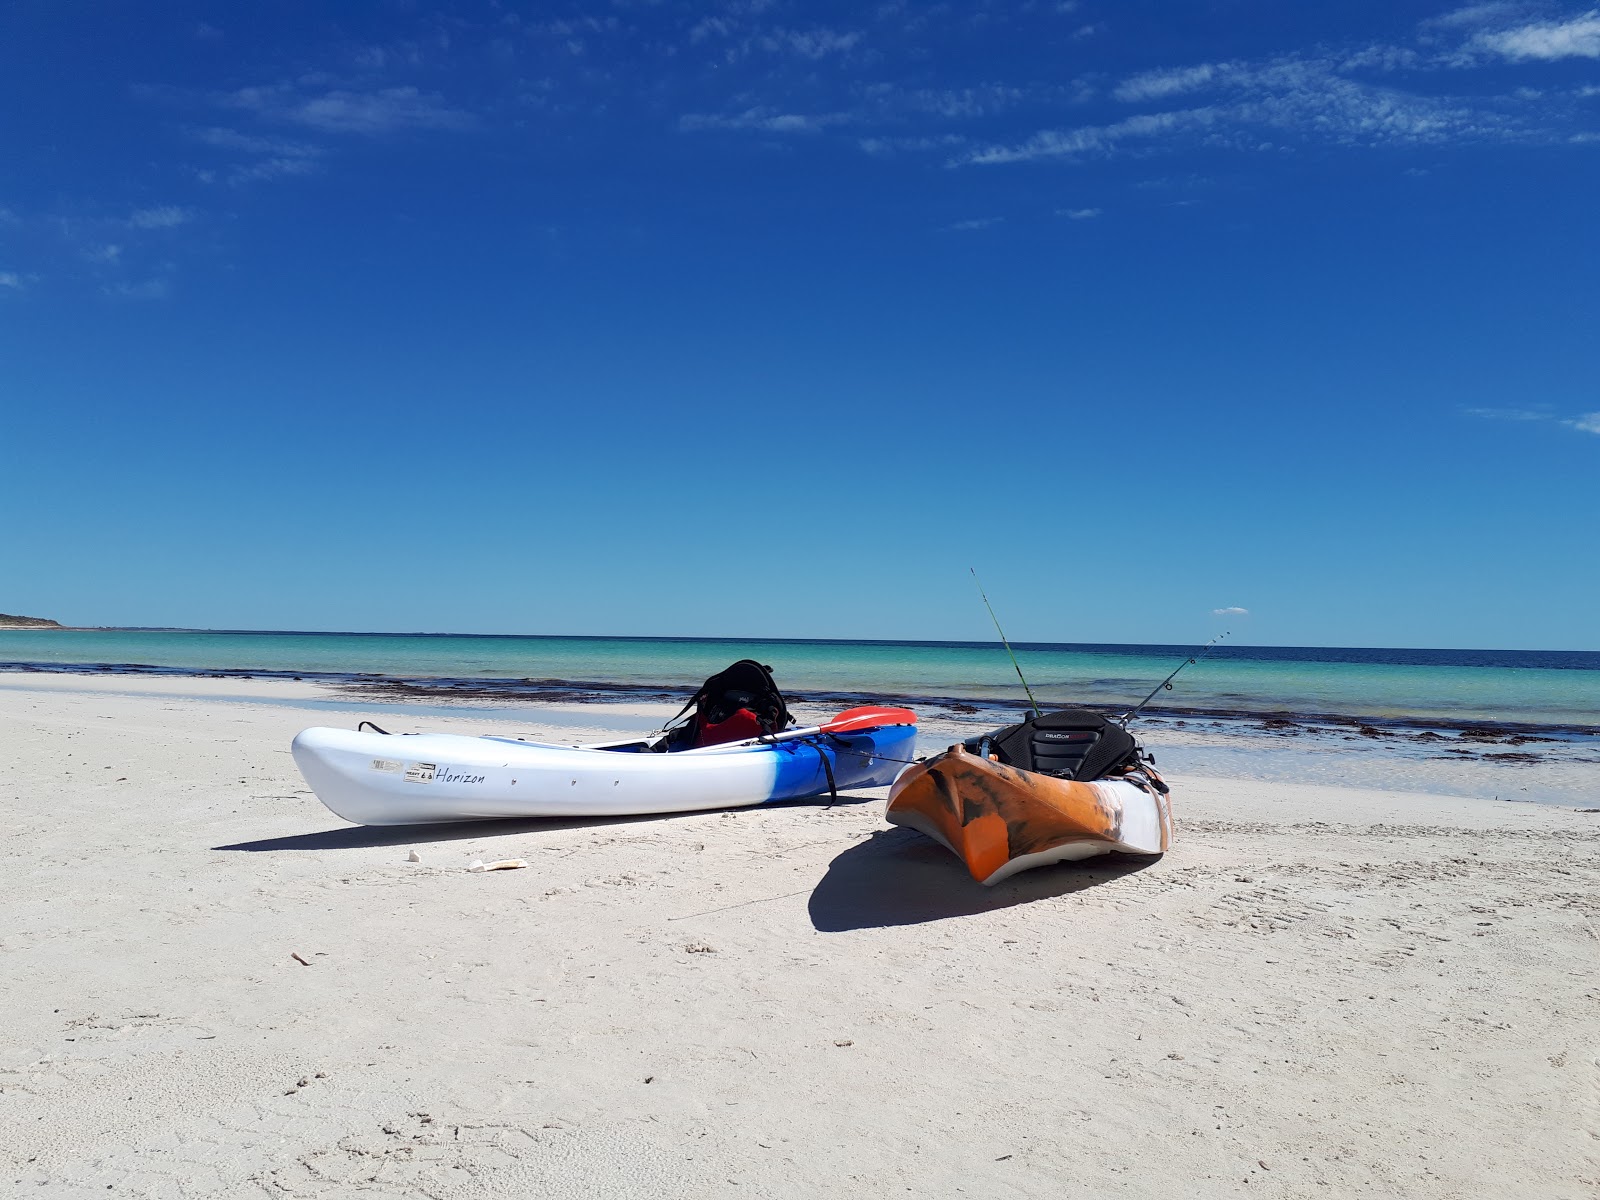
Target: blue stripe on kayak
(853, 757)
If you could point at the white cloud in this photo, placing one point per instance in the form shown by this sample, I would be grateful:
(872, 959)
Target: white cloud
(1301, 97)
(1380, 58)
(970, 225)
(1583, 422)
(10, 279)
(1547, 40)
(1476, 14)
(149, 289)
(232, 139)
(1156, 85)
(955, 103)
(1078, 214)
(762, 120)
(882, 147)
(277, 158)
(709, 27)
(1510, 414)
(1234, 611)
(1089, 139)
(812, 44)
(165, 216)
(270, 168)
(103, 254)
(384, 110)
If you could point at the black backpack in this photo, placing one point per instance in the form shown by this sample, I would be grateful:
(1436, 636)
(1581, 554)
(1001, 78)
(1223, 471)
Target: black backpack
(746, 684)
(1073, 743)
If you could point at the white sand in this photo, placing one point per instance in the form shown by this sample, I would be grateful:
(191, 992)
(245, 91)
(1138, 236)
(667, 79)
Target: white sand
(1320, 991)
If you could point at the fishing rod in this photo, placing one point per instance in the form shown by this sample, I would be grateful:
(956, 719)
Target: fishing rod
(1166, 684)
(1036, 709)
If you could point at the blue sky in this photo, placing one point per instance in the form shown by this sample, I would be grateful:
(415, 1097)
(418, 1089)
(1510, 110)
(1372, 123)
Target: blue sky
(769, 318)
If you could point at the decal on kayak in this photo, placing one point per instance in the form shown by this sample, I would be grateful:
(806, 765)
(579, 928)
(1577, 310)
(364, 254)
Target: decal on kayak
(387, 764)
(450, 775)
(420, 772)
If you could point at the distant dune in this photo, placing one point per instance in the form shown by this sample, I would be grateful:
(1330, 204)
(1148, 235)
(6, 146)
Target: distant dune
(7, 621)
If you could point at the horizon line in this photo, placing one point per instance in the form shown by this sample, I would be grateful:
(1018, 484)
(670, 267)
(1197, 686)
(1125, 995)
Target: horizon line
(795, 641)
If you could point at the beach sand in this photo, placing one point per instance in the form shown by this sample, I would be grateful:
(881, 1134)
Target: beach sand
(1320, 991)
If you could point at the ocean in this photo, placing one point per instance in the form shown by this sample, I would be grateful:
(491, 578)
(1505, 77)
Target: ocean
(1549, 690)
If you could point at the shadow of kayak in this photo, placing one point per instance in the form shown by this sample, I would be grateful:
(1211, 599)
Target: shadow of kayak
(348, 837)
(900, 877)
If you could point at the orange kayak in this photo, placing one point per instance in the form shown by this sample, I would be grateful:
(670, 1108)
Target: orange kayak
(1000, 820)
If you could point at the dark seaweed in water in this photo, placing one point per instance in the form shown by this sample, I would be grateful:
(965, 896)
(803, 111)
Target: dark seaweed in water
(435, 690)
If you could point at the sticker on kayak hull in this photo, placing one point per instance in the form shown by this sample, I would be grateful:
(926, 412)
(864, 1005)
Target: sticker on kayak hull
(387, 764)
(420, 772)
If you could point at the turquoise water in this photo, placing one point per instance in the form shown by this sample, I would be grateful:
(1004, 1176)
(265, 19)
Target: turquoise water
(1520, 687)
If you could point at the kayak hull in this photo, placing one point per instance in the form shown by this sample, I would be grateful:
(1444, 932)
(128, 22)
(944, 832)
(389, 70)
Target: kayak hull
(384, 779)
(999, 820)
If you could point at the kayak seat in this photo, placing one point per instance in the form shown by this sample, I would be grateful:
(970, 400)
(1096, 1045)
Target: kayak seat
(1073, 743)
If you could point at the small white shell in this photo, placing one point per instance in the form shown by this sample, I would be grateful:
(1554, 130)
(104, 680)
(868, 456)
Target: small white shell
(476, 865)
(413, 857)
(506, 864)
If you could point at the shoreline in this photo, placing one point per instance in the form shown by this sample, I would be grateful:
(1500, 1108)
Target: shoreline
(1509, 767)
(447, 689)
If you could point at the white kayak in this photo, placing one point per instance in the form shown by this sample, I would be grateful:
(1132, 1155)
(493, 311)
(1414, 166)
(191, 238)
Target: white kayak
(404, 779)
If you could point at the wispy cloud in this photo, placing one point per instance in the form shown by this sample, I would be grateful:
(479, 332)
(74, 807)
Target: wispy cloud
(1511, 414)
(810, 43)
(763, 120)
(743, 37)
(105, 255)
(1232, 611)
(149, 289)
(1583, 422)
(10, 279)
(1546, 40)
(346, 111)
(885, 146)
(1088, 139)
(1157, 85)
(165, 216)
(954, 103)
(268, 157)
(1472, 15)
(1259, 104)
(974, 223)
(1078, 214)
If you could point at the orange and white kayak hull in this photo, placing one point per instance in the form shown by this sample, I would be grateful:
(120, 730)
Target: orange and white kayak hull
(999, 820)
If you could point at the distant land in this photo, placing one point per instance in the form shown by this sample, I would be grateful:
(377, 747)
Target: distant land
(7, 621)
